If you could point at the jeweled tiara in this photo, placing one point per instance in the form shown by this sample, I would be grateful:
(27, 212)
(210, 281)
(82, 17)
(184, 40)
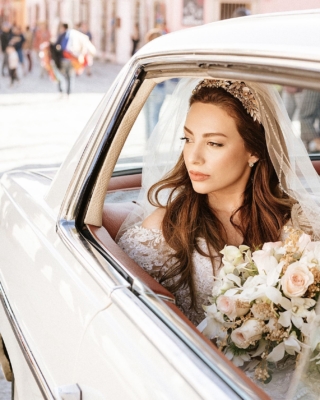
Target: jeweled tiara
(237, 89)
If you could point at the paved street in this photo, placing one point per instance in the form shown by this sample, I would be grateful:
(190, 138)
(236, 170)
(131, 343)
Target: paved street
(38, 126)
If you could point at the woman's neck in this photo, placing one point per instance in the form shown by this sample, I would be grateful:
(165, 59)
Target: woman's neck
(225, 204)
(224, 208)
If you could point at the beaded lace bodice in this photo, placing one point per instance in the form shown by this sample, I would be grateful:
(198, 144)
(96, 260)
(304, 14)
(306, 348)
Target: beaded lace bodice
(148, 248)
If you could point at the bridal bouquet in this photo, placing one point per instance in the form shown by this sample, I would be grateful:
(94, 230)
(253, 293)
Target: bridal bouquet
(263, 303)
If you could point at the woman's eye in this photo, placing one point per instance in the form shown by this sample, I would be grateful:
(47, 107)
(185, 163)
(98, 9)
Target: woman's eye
(214, 144)
(185, 138)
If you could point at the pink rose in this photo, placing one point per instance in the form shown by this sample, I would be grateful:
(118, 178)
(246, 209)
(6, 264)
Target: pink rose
(232, 306)
(249, 332)
(296, 280)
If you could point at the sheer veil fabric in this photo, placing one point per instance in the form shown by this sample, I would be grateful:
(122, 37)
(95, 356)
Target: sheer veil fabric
(296, 174)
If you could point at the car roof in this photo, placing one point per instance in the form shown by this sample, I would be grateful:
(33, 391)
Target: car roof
(257, 35)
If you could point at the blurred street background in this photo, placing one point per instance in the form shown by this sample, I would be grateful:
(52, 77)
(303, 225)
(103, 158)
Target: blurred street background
(39, 124)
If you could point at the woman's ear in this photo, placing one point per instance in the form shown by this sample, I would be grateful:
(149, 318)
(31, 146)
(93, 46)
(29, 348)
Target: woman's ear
(253, 159)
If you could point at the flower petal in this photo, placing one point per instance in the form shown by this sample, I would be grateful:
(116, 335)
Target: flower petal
(292, 345)
(285, 318)
(297, 321)
(273, 294)
(285, 303)
(277, 353)
(234, 279)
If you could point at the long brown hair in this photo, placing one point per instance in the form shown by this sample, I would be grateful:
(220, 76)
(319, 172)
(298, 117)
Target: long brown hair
(264, 211)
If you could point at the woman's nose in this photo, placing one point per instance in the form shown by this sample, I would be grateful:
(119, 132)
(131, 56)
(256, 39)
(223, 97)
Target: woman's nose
(195, 154)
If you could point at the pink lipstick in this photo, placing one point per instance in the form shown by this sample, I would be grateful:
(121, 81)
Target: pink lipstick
(198, 176)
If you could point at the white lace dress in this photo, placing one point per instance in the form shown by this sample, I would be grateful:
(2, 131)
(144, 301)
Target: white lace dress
(148, 248)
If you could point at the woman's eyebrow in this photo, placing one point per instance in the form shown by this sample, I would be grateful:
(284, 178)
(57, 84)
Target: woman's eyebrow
(205, 135)
(188, 130)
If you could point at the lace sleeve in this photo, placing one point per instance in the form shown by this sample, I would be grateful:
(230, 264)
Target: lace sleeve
(300, 221)
(147, 248)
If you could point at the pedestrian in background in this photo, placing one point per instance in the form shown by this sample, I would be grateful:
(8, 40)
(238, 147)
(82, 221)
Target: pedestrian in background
(13, 62)
(67, 73)
(135, 38)
(28, 46)
(5, 39)
(76, 49)
(17, 40)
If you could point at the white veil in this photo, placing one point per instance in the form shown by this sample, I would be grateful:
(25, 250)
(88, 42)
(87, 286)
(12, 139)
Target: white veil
(296, 174)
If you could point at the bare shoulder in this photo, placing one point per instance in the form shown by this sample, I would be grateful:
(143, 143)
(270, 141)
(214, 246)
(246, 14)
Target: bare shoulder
(154, 220)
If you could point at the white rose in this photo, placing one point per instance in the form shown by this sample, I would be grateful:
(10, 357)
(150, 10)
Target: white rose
(238, 361)
(304, 241)
(232, 306)
(311, 254)
(265, 261)
(232, 255)
(296, 280)
(249, 332)
(274, 248)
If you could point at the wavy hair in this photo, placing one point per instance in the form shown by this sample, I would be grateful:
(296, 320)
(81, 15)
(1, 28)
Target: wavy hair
(188, 216)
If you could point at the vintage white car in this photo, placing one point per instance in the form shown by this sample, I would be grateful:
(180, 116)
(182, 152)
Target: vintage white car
(79, 319)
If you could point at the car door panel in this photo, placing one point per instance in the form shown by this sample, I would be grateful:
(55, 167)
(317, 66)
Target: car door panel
(52, 295)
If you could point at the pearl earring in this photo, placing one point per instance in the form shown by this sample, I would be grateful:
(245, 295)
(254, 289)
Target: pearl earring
(251, 164)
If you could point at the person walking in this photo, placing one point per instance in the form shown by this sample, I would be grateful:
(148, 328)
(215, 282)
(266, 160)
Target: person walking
(28, 45)
(5, 39)
(67, 72)
(135, 38)
(17, 40)
(13, 62)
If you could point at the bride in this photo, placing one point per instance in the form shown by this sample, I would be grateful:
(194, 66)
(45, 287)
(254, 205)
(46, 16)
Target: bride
(242, 175)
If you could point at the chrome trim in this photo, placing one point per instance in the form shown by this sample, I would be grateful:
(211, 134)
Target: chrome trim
(162, 297)
(153, 327)
(256, 68)
(227, 56)
(214, 360)
(28, 355)
(139, 287)
(97, 266)
(93, 148)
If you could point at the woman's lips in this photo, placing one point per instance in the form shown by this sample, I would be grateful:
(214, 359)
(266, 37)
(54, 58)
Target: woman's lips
(198, 176)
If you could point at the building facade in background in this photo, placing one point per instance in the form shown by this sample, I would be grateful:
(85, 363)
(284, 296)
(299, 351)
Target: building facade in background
(112, 22)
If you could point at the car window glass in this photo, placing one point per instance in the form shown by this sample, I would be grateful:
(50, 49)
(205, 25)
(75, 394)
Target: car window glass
(303, 107)
(132, 153)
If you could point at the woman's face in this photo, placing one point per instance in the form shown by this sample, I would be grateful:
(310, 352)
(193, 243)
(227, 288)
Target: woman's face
(214, 152)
